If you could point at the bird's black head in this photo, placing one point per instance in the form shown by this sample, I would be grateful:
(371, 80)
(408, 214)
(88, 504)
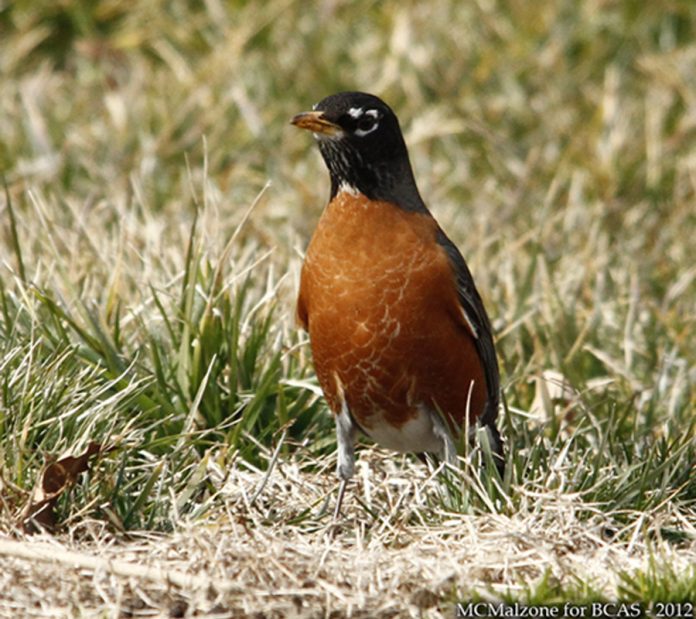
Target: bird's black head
(360, 140)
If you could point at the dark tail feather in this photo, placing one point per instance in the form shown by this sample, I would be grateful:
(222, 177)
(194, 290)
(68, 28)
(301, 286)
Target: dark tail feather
(498, 451)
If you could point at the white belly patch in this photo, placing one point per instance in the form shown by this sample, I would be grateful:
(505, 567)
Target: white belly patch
(422, 433)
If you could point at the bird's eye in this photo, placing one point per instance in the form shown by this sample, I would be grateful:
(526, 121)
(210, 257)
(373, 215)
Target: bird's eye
(365, 125)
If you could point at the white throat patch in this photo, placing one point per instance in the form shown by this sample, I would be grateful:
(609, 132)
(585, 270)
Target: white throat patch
(346, 187)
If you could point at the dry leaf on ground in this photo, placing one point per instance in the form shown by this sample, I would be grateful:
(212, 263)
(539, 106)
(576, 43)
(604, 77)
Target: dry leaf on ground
(55, 479)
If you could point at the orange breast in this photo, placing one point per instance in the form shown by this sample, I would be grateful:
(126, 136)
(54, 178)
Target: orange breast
(379, 299)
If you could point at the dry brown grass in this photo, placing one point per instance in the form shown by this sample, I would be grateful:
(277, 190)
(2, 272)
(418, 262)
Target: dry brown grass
(249, 561)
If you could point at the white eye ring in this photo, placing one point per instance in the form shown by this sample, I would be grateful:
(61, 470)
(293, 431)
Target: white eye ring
(363, 132)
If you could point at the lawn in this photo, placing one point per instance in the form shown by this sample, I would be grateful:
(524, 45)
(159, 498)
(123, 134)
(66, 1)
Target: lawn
(164, 447)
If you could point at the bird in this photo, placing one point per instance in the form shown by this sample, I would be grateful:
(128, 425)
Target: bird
(401, 342)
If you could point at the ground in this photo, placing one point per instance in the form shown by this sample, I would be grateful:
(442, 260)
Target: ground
(252, 561)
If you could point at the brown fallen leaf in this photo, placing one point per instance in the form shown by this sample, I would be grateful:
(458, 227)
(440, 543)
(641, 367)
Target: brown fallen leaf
(56, 478)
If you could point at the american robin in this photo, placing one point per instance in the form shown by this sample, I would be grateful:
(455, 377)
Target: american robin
(401, 342)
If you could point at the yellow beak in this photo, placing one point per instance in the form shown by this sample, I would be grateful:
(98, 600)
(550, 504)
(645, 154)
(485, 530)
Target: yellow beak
(315, 122)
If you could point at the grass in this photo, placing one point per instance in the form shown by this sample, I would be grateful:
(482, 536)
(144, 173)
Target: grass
(155, 211)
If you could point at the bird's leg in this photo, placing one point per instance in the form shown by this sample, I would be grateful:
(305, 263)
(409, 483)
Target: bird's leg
(448, 452)
(345, 436)
(448, 455)
(339, 498)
